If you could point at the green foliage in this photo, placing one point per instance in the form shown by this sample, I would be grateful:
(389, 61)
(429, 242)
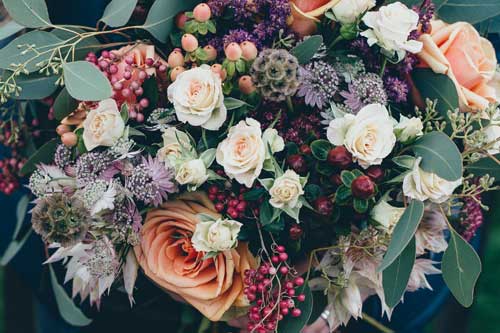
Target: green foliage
(118, 12)
(233, 103)
(64, 104)
(35, 86)
(9, 29)
(472, 11)
(347, 177)
(360, 205)
(306, 50)
(320, 149)
(16, 244)
(486, 165)
(29, 13)
(85, 82)
(43, 155)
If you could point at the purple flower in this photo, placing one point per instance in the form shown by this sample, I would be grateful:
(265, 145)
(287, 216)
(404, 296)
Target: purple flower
(318, 83)
(397, 89)
(363, 90)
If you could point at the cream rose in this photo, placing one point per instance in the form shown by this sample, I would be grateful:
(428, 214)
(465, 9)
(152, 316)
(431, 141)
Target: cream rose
(198, 99)
(348, 11)
(192, 172)
(243, 152)
(386, 215)
(390, 27)
(173, 143)
(408, 128)
(368, 135)
(422, 185)
(286, 191)
(103, 125)
(216, 236)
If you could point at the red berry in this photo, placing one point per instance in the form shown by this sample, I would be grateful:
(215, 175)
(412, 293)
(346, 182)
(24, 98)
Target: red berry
(297, 163)
(284, 270)
(339, 157)
(296, 312)
(295, 232)
(275, 259)
(376, 173)
(241, 206)
(363, 187)
(284, 311)
(301, 298)
(213, 189)
(280, 248)
(283, 256)
(305, 149)
(299, 281)
(323, 206)
(219, 207)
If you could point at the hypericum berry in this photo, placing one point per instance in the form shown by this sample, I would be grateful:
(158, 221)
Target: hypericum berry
(376, 173)
(175, 72)
(233, 51)
(61, 129)
(323, 206)
(297, 163)
(305, 149)
(175, 58)
(339, 157)
(211, 52)
(180, 20)
(189, 43)
(249, 50)
(69, 139)
(202, 12)
(363, 187)
(246, 85)
(217, 69)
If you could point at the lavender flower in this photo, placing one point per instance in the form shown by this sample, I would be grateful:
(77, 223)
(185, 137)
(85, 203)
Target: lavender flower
(151, 181)
(363, 90)
(318, 83)
(397, 89)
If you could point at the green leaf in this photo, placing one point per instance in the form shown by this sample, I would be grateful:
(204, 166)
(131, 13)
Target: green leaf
(486, 165)
(35, 86)
(467, 10)
(67, 309)
(395, 277)
(16, 52)
(320, 149)
(160, 19)
(404, 161)
(360, 205)
(267, 183)
(254, 194)
(312, 192)
(343, 194)
(347, 177)
(440, 155)
(118, 12)
(306, 50)
(85, 82)
(9, 29)
(268, 214)
(16, 245)
(43, 155)
(461, 267)
(30, 13)
(21, 210)
(403, 232)
(208, 157)
(64, 104)
(295, 325)
(124, 113)
(233, 103)
(13, 248)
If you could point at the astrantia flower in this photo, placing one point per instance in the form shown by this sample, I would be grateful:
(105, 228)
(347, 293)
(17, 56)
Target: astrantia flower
(89, 167)
(363, 90)
(62, 157)
(47, 179)
(60, 219)
(318, 83)
(98, 196)
(126, 221)
(122, 149)
(151, 181)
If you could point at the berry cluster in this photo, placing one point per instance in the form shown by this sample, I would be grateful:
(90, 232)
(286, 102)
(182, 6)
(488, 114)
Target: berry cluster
(272, 290)
(231, 203)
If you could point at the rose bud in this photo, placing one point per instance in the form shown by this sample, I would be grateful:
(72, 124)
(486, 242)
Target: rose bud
(376, 173)
(297, 163)
(339, 157)
(233, 51)
(189, 43)
(295, 232)
(211, 52)
(323, 206)
(246, 85)
(180, 20)
(305, 149)
(202, 12)
(175, 58)
(249, 50)
(336, 179)
(363, 187)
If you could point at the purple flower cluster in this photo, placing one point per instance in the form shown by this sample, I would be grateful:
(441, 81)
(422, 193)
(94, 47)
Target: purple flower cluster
(397, 89)
(472, 218)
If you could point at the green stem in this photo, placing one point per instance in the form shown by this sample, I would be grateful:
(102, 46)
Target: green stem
(289, 104)
(204, 137)
(376, 324)
(384, 64)
(335, 41)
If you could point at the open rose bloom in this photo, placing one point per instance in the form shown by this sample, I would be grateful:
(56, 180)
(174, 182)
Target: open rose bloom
(307, 13)
(168, 258)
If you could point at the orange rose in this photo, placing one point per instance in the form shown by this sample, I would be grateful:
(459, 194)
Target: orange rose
(457, 50)
(306, 13)
(168, 258)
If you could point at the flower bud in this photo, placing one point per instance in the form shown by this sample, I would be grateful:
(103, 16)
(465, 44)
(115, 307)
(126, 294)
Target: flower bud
(189, 43)
(297, 163)
(233, 51)
(363, 187)
(323, 206)
(376, 173)
(202, 12)
(339, 157)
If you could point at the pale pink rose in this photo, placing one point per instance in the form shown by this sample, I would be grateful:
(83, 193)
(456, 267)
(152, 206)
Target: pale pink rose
(307, 13)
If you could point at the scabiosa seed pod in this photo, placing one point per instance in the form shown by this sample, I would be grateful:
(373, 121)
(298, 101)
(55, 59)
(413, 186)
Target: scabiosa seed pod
(275, 74)
(60, 219)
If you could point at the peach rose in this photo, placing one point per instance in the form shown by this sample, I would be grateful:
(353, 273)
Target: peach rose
(306, 14)
(457, 50)
(168, 258)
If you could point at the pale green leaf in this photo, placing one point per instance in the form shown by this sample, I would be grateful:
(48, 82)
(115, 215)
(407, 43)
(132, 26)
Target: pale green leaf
(64, 104)
(10, 28)
(35, 86)
(472, 11)
(306, 50)
(118, 12)
(30, 13)
(85, 82)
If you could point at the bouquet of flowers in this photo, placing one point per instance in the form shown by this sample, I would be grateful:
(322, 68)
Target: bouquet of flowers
(245, 154)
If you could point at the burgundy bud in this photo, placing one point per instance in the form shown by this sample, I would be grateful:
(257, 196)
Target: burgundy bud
(295, 232)
(363, 187)
(305, 149)
(336, 179)
(340, 157)
(376, 173)
(323, 206)
(297, 163)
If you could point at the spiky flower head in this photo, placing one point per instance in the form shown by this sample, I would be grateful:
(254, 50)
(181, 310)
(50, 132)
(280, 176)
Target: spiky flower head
(363, 90)
(48, 179)
(89, 167)
(318, 83)
(58, 218)
(62, 157)
(275, 74)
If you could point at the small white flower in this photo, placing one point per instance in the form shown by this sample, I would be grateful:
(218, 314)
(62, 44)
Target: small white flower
(421, 185)
(368, 136)
(390, 27)
(492, 134)
(408, 128)
(103, 125)
(348, 11)
(215, 236)
(387, 215)
(106, 201)
(286, 191)
(198, 98)
(193, 172)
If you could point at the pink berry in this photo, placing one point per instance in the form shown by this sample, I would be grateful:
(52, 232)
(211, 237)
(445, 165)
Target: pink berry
(189, 43)
(284, 270)
(249, 50)
(280, 248)
(139, 118)
(211, 52)
(143, 75)
(113, 69)
(284, 311)
(299, 281)
(149, 62)
(144, 103)
(246, 85)
(139, 91)
(301, 298)
(275, 259)
(283, 256)
(127, 75)
(202, 12)
(233, 51)
(296, 313)
(129, 60)
(180, 20)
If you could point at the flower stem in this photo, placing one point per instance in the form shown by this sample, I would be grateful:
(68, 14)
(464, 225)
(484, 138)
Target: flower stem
(376, 324)
(384, 64)
(289, 104)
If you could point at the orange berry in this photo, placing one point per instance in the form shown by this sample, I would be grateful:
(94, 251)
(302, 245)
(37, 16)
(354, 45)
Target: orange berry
(189, 43)
(233, 51)
(69, 139)
(211, 52)
(249, 50)
(217, 69)
(175, 72)
(202, 12)
(175, 58)
(61, 129)
(246, 85)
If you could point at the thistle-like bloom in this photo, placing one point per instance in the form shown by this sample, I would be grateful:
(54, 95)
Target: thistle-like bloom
(62, 157)
(61, 219)
(151, 181)
(318, 83)
(89, 167)
(48, 179)
(397, 89)
(363, 90)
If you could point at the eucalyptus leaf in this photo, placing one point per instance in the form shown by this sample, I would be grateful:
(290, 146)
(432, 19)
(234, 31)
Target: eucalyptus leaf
(13, 248)
(30, 13)
(306, 50)
(35, 86)
(395, 277)
(21, 210)
(472, 11)
(403, 232)
(461, 267)
(9, 29)
(486, 165)
(44, 154)
(208, 157)
(118, 12)
(85, 82)
(64, 105)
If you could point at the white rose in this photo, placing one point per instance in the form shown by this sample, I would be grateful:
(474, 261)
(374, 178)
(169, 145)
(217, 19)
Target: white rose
(103, 125)
(368, 135)
(198, 98)
(390, 27)
(243, 152)
(492, 133)
(192, 172)
(348, 11)
(408, 128)
(286, 190)
(272, 139)
(174, 141)
(215, 236)
(422, 185)
(387, 215)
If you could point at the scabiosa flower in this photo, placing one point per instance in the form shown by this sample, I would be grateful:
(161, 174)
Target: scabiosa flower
(363, 90)
(58, 218)
(318, 83)
(151, 181)
(62, 157)
(397, 89)
(89, 167)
